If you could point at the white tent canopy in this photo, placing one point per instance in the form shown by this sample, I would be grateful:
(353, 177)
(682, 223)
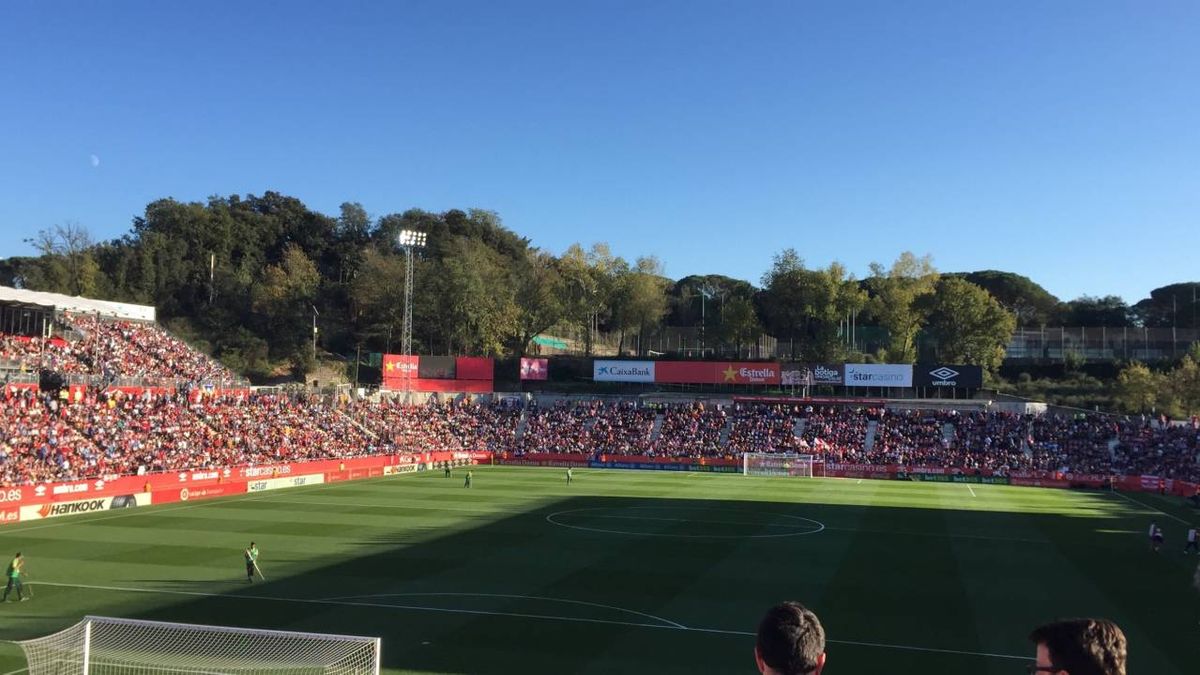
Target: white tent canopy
(78, 305)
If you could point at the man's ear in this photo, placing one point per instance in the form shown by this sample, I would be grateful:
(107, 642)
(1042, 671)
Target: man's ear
(758, 661)
(820, 663)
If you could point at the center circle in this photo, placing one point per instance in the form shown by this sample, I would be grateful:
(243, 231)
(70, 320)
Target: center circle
(685, 522)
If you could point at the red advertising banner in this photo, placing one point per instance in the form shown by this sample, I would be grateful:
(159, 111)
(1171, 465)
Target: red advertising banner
(442, 386)
(396, 365)
(50, 500)
(748, 373)
(715, 372)
(475, 368)
(535, 369)
(685, 372)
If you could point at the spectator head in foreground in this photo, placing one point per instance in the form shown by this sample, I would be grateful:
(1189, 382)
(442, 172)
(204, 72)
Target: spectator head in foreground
(790, 641)
(1079, 647)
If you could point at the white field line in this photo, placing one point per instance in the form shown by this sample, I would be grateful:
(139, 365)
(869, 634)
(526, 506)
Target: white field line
(859, 482)
(943, 535)
(940, 535)
(972, 490)
(1148, 506)
(152, 510)
(518, 597)
(15, 672)
(477, 612)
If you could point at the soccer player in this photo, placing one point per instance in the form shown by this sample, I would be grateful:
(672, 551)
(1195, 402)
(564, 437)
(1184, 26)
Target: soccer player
(1153, 531)
(569, 477)
(1192, 544)
(14, 577)
(1156, 538)
(468, 483)
(251, 562)
(447, 468)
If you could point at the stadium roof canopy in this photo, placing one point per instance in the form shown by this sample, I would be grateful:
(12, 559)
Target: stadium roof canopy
(76, 304)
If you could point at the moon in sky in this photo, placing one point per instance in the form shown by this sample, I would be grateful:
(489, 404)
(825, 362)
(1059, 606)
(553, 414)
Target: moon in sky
(95, 161)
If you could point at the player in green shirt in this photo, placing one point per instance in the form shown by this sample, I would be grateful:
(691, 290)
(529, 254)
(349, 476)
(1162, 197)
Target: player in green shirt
(14, 577)
(468, 483)
(569, 476)
(251, 555)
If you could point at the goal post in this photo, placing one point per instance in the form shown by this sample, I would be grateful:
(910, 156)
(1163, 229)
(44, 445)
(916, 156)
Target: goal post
(100, 645)
(777, 464)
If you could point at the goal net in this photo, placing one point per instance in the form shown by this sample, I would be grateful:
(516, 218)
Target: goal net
(777, 464)
(106, 646)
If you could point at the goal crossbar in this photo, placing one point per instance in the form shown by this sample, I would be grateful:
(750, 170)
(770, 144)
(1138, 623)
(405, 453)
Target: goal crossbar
(778, 464)
(100, 645)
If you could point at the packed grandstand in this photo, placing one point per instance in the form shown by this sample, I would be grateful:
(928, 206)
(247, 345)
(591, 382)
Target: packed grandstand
(100, 430)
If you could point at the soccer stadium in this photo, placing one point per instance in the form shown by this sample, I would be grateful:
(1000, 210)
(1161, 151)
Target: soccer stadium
(137, 470)
(673, 336)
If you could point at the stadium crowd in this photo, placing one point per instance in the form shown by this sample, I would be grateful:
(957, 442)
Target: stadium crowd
(51, 436)
(46, 437)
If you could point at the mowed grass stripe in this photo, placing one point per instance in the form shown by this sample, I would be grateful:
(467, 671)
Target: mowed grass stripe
(877, 578)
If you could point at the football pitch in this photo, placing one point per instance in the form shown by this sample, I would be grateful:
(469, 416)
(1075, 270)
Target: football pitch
(632, 572)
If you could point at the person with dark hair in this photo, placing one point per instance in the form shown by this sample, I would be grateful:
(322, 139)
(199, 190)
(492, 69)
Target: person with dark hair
(1079, 647)
(790, 641)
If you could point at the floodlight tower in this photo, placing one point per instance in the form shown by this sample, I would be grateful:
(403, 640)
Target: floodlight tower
(706, 293)
(409, 241)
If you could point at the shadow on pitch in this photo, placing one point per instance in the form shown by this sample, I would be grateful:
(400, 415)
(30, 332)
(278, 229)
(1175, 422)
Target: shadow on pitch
(610, 584)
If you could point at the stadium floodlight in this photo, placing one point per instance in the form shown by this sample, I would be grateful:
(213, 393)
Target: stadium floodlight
(412, 238)
(409, 241)
(107, 645)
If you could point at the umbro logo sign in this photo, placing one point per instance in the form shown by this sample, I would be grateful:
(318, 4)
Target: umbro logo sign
(944, 373)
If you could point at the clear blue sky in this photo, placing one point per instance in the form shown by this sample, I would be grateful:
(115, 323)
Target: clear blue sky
(1060, 140)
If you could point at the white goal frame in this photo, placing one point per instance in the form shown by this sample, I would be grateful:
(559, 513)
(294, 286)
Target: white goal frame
(100, 645)
(779, 464)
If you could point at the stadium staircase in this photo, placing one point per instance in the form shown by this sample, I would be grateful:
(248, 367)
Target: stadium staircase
(361, 427)
(656, 430)
(723, 439)
(949, 433)
(869, 441)
(522, 425)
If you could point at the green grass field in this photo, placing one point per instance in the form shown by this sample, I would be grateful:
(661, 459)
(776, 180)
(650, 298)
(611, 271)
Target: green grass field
(628, 572)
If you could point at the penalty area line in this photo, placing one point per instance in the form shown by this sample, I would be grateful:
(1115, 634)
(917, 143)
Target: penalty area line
(972, 490)
(1151, 507)
(672, 626)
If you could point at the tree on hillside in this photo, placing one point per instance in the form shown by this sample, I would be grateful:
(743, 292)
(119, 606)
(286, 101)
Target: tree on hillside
(589, 284)
(739, 323)
(970, 326)
(1184, 383)
(1030, 304)
(812, 308)
(284, 300)
(900, 301)
(539, 298)
(1109, 311)
(68, 264)
(376, 300)
(1139, 389)
(640, 300)
(476, 309)
(1175, 305)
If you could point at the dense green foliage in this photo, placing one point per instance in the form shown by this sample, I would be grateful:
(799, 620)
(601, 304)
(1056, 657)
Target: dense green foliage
(481, 581)
(247, 277)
